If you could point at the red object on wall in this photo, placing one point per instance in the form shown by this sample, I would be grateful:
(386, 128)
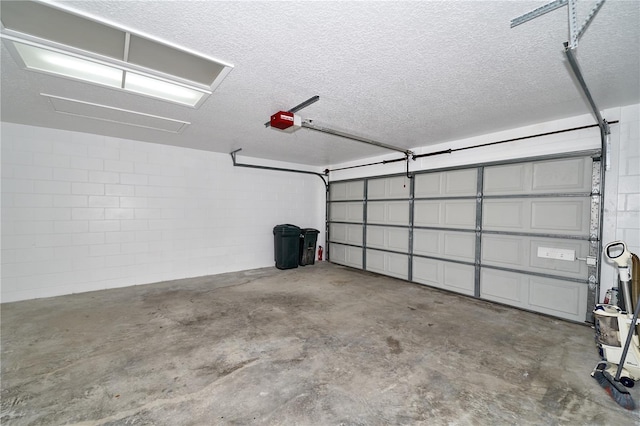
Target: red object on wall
(320, 253)
(282, 120)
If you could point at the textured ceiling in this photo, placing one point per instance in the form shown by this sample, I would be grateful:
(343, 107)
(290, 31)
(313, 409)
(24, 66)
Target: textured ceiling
(403, 73)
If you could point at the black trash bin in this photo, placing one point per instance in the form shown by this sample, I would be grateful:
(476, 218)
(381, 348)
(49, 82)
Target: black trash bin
(286, 244)
(308, 238)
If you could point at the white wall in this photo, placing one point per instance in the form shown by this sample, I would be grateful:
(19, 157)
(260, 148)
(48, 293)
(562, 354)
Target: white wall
(580, 140)
(622, 191)
(82, 212)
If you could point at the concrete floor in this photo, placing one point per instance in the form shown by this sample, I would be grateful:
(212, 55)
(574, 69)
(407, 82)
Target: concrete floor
(319, 345)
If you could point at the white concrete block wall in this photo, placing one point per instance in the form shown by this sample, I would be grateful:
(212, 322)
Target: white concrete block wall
(580, 140)
(622, 192)
(82, 212)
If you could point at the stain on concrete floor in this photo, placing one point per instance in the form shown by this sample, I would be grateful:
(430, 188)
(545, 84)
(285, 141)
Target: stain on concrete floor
(319, 345)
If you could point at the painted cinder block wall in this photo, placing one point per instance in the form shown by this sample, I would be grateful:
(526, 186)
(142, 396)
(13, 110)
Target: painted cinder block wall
(622, 184)
(82, 212)
(622, 191)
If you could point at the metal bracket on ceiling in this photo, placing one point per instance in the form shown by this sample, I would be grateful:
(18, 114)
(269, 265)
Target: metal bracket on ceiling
(569, 47)
(575, 32)
(409, 155)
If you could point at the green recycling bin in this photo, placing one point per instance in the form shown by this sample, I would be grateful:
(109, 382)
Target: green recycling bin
(286, 245)
(308, 239)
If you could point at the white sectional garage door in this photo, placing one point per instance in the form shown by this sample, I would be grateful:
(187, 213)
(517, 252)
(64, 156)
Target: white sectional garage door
(517, 233)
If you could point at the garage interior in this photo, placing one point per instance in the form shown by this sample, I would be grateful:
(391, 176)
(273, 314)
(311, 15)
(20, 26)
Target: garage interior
(463, 162)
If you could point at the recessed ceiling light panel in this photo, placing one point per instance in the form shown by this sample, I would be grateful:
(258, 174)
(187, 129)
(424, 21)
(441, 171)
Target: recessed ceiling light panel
(49, 61)
(157, 88)
(49, 23)
(111, 114)
(48, 38)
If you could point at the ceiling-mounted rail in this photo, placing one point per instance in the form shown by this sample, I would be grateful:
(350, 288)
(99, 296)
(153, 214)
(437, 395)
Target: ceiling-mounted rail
(308, 124)
(408, 154)
(583, 85)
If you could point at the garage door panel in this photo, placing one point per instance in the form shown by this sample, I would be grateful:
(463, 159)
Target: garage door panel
(564, 215)
(426, 242)
(394, 187)
(354, 234)
(560, 215)
(345, 233)
(575, 269)
(564, 299)
(459, 245)
(398, 213)
(454, 183)
(398, 187)
(347, 191)
(338, 232)
(555, 297)
(461, 183)
(376, 189)
(521, 253)
(569, 175)
(398, 265)
(508, 179)
(551, 176)
(346, 255)
(388, 212)
(460, 214)
(428, 185)
(502, 250)
(392, 264)
(346, 212)
(426, 271)
(398, 239)
(444, 244)
(505, 215)
(426, 213)
(445, 275)
(503, 287)
(376, 212)
(375, 261)
(375, 237)
(395, 239)
(459, 278)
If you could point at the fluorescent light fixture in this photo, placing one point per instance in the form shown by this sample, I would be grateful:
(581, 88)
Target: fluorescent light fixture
(161, 89)
(39, 59)
(52, 39)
